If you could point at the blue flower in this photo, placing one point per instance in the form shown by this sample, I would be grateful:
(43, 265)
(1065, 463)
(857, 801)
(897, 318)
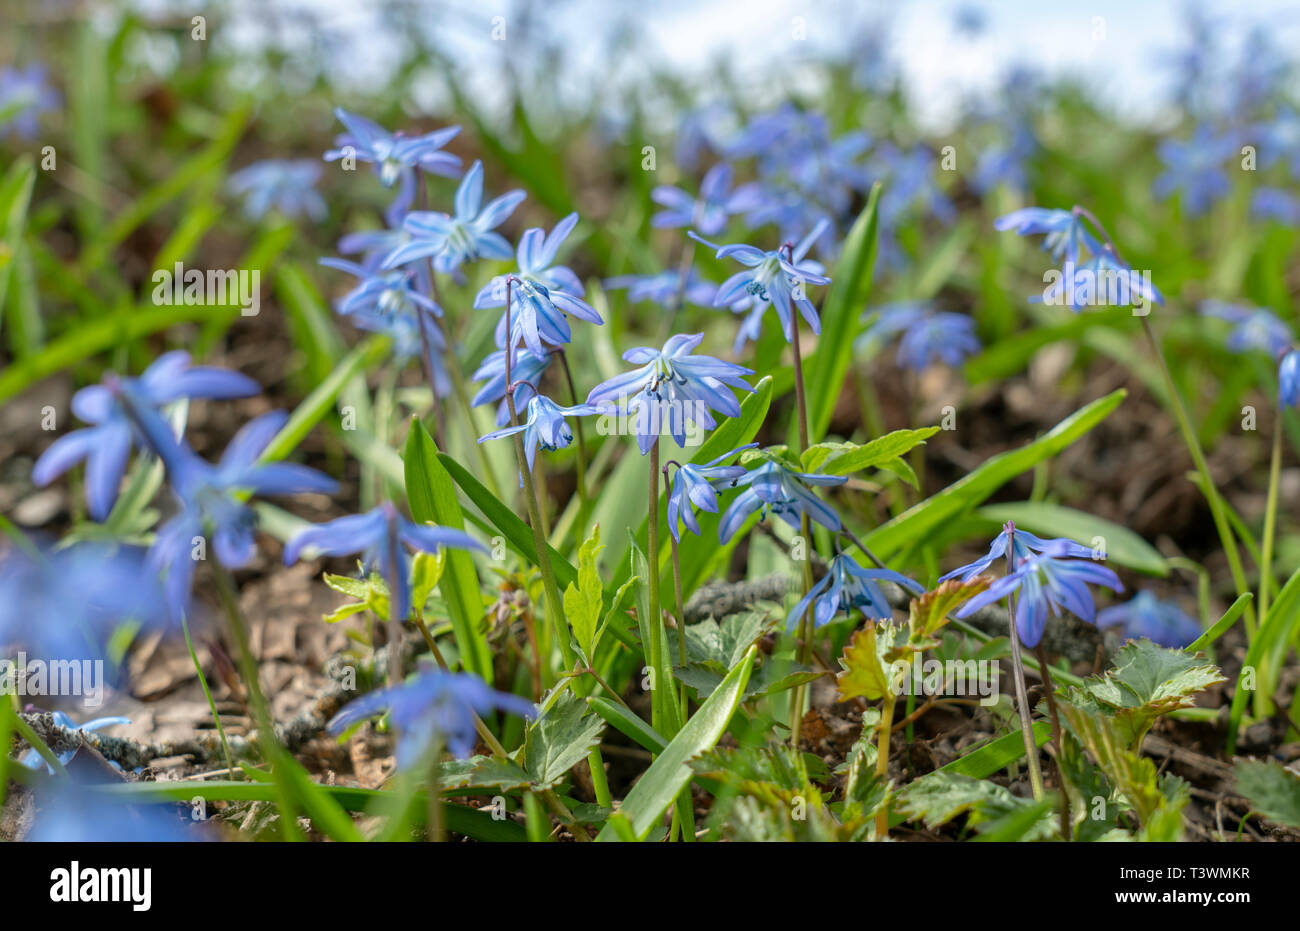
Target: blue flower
(32, 759)
(211, 506)
(694, 487)
(24, 96)
(1023, 545)
(777, 488)
(927, 336)
(1067, 235)
(545, 426)
(1158, 621)
(526, 368)
(106, 445)
(1195, 168)
(846, 586)
(380, 535)
(540, 292)
(1049, 580)
(467, 235)
(395, 156)
(382, 293)
(709, 211)
(664, 287)
(66, 603)
(286, 185)
(1271, 203)
(673, 388)
(435, 708)
(72, 813)
(1254, 328)
(778, 278)
(1288, 380)
(909, 180)
(1281, 141)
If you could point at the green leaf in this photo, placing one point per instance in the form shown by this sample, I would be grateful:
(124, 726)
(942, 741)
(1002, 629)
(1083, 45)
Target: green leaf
(1266, 654)
(1121, 545)
(927, 517)
(426, 572)
(846, 458)
(827, 367)
(1220, 627)
(432, 497)
(628, 724)
(482, 772)
(1272, 789)
(941, 796)
(868, 661)
(15, 197)
(927, 614)
(559, 739)
(660, 785)
(583, 599)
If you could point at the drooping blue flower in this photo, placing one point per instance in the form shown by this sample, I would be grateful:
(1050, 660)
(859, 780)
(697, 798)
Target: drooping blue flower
(1271, 203)
(24, 96)
(435, 708)
(453, 239)
(395, 156)
(777, 488)
(1023, 545)
(545, 426)
(526, 370)
(210, 506)
(69, 812)
(664, 287)
(106, 444)
(928, 336)
(1146, 616)
(1280, 142)
(707, 212)
(540, 292)
(694, 486)
(1053, 574)
(1195, 169)
(1288, 380)
(779, 278)
(1066, 233)
(32, 759)
(846, 586)
(673, 388)
(287, 185)
(66, 603)
(382, 293)
(381, 536)
(1254, 328)
(1103, 280)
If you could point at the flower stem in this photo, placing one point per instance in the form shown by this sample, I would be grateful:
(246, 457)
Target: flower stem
(1270, 517)
(207, 693)
(1044, 668)
(1022, 700)
(583, 504)
(1210, 489)
(655, 620)
(805, 531)
(883, 733)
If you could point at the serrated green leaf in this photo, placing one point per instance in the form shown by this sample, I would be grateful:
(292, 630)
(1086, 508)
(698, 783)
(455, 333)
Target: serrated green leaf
(559, 739)
(583, 599)
(1272, 790)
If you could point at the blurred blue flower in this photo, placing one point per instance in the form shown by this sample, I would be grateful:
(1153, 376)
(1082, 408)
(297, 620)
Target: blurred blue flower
(382, 293)
(545, 426)
(32, 759)
(664, 287)
(211, 506)
(1194, 168)
(927, 336)
(288, 186)
(381, 536)
(709, 211)
(72, 813)
(106, 445)
(526, 368)
(909, 180)
(1254, 328)
(435, 708)
(66, 603)
(1023, 545)
(395, 156)
(778, 278)
(672, 387)
(1280, 141)
(1048, 580)
(1099, 280)
(1067, 236)
(467, 235)
(775, 487)
(846, 586)
(1146, 616)
(540, 292)
(1288, 380)
(24, 96)
(694, 487)
(1271, 203)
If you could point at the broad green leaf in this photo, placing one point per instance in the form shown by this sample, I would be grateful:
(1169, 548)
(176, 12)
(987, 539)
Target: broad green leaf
(846, 458)
(941, 796)
(627, 723)
(432, 498)
(927, 517)
(583, 598)
(1121, 545)
(559, 739)
(1272, 790)
(660, 785)
(482, 772)
(928, 613)
(426, 572)
(869, 663)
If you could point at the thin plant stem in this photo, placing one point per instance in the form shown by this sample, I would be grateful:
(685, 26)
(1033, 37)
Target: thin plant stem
(207, 693)
(655, 620)
(583, 503)
(883, 733)
(1022, 702)
(805, 531)
(1270, 517)
(1050, 687)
